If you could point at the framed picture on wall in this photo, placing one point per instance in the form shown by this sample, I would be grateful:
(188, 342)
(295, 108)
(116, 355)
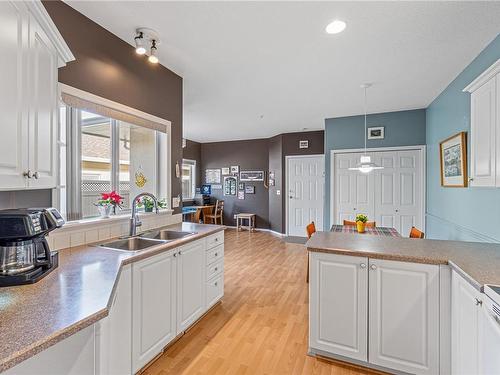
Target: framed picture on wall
(376, 132)
(453, 158)
(225, 171)
(212, 176)
(241, 186)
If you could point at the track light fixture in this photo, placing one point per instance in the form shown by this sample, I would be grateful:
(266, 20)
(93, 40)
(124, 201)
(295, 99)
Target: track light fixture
(153, 58)
(147, 37)
(139, 44)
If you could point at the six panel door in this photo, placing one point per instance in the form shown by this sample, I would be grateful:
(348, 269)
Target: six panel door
(404, 316)
(338, 305)
(305, 193)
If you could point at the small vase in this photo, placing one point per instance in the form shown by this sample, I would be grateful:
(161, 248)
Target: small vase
(360, 226)
(104, 211)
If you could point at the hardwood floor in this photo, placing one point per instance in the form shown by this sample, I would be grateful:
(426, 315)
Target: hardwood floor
(261, 325)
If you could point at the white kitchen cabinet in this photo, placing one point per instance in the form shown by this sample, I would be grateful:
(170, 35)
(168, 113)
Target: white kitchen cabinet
(114, 333)
(488, 337)
(404, 316)
(191, 268)
(32, 50)
(338, 293)
(485, 128)
(465, 301)
(154, 294)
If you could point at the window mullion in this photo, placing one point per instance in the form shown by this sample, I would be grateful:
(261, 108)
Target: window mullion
(115, 155)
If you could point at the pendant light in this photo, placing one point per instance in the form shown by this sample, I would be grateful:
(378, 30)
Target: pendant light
(365, 164)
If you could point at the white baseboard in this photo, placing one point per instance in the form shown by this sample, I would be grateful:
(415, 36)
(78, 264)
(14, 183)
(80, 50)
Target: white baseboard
(260, 230)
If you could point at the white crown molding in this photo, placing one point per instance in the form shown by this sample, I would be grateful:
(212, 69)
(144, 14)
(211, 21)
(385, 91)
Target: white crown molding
(484, 77)
(49, 27)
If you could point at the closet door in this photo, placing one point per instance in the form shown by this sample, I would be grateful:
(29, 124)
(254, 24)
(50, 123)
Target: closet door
(386, 189)
(353, 190)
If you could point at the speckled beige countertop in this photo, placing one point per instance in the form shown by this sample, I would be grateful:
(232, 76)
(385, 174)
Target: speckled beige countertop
(478, 262)
(71, 298)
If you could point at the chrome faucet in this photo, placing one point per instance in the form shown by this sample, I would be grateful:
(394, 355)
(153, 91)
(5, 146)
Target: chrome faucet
(134, 220)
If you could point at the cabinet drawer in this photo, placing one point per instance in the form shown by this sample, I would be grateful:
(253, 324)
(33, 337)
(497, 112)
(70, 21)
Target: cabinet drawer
(215, 239)
(215, 290)
(215, 269)
(213, 255)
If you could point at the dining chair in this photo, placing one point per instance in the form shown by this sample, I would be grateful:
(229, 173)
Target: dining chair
(197, 216)
(218, 213)
(369, 224)
(415, 233)
(310, 230)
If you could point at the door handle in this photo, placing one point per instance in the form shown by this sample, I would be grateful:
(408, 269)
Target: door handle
(373, 267)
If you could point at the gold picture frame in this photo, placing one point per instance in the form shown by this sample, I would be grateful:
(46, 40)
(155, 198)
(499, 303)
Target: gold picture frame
(453, 160)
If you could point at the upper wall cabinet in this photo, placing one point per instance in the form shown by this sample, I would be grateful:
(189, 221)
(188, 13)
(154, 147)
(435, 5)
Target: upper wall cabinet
(485, 128)
(33, 49)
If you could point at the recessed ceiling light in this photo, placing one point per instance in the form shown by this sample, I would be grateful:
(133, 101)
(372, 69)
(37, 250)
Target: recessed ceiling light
(335, 27)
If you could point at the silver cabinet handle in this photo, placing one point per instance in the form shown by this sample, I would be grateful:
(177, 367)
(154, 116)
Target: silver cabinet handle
(215, 283)
(180, 253)
(216, 239)
(478, 302)
(175, 254)
(373, 267)
(28, 174)
(362, 265)
(216, 254)
(36, 175)
(471, 178)
(216, 268)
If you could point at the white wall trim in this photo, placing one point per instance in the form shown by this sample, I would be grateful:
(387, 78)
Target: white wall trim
(257, 230)
(484, 77)
(287, 160)
(423, 156)
(48, 26)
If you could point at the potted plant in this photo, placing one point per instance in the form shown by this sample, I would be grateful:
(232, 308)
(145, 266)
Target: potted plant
(108, 202)
(148, 203)
(361, 222)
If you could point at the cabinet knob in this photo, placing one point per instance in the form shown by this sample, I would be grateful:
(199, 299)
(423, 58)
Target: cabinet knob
(175, 254)
(373, 267)
(215, 283)
(478, 302)
(216, 268)
(216, 239)
(397, 210)
(362, 265)
(36, 175)
(180, 253)
(471, 179)
(216, 254)
(28, 174)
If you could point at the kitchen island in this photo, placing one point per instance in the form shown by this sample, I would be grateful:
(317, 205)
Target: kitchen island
(89, 298)
(386, 302)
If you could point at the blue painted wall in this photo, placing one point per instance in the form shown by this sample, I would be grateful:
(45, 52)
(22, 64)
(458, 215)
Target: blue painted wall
(402, 128)
(459, 213)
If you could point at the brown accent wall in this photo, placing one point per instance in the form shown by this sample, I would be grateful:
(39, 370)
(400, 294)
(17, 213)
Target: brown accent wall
(249, 155)
(107, 66)
(192, 151)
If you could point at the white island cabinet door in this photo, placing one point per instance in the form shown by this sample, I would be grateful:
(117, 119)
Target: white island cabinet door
(154, 303)
(464, 326)
(13, 106)
(404, 316)
(114, 333)
(191, 270)
(338, 305)
(42, 75)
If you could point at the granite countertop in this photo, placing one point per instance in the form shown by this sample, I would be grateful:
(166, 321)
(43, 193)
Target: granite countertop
(478, 262)
(72, 297)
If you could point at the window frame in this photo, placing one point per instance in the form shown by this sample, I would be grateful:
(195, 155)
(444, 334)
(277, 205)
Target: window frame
(73, 149)
(192, 166)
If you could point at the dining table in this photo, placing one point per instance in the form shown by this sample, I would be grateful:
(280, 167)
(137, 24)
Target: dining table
(375, 231)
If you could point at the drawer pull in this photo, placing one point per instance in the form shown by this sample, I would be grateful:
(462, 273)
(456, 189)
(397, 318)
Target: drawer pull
(215, 283)
(216, 268)
(216, 254)
(216, 239)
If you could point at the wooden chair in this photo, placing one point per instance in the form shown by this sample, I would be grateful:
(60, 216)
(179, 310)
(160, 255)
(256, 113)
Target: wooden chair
(310, 230)
(197, 216)
(369, 224)
(415, 233)
(218, 213)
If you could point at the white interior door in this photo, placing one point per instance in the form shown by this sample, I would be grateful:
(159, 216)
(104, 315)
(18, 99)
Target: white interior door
(354, 190)
(393, 196)
(305, 195)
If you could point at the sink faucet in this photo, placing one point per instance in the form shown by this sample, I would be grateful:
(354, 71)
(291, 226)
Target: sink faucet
(134, 220)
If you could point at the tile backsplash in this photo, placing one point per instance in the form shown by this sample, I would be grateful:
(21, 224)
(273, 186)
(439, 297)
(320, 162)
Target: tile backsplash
(77, 234)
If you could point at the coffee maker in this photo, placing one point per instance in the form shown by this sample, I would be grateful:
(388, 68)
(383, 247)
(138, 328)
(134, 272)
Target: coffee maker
(25, 256)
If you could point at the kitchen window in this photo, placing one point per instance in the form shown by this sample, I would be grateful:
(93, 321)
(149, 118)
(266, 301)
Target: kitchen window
(188, 179)
(100, 153)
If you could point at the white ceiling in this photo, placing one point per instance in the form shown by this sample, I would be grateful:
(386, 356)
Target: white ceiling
(257, 69)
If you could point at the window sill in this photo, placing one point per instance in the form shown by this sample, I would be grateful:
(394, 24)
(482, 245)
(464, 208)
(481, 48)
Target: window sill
(113, 219)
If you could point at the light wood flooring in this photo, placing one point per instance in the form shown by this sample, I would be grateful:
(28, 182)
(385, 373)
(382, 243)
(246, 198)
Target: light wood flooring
(261, 326)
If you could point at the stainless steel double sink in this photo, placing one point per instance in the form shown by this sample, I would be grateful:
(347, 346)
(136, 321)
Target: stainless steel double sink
(146, 240)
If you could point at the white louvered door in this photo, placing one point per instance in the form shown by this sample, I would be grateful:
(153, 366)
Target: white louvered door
(305, 195)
